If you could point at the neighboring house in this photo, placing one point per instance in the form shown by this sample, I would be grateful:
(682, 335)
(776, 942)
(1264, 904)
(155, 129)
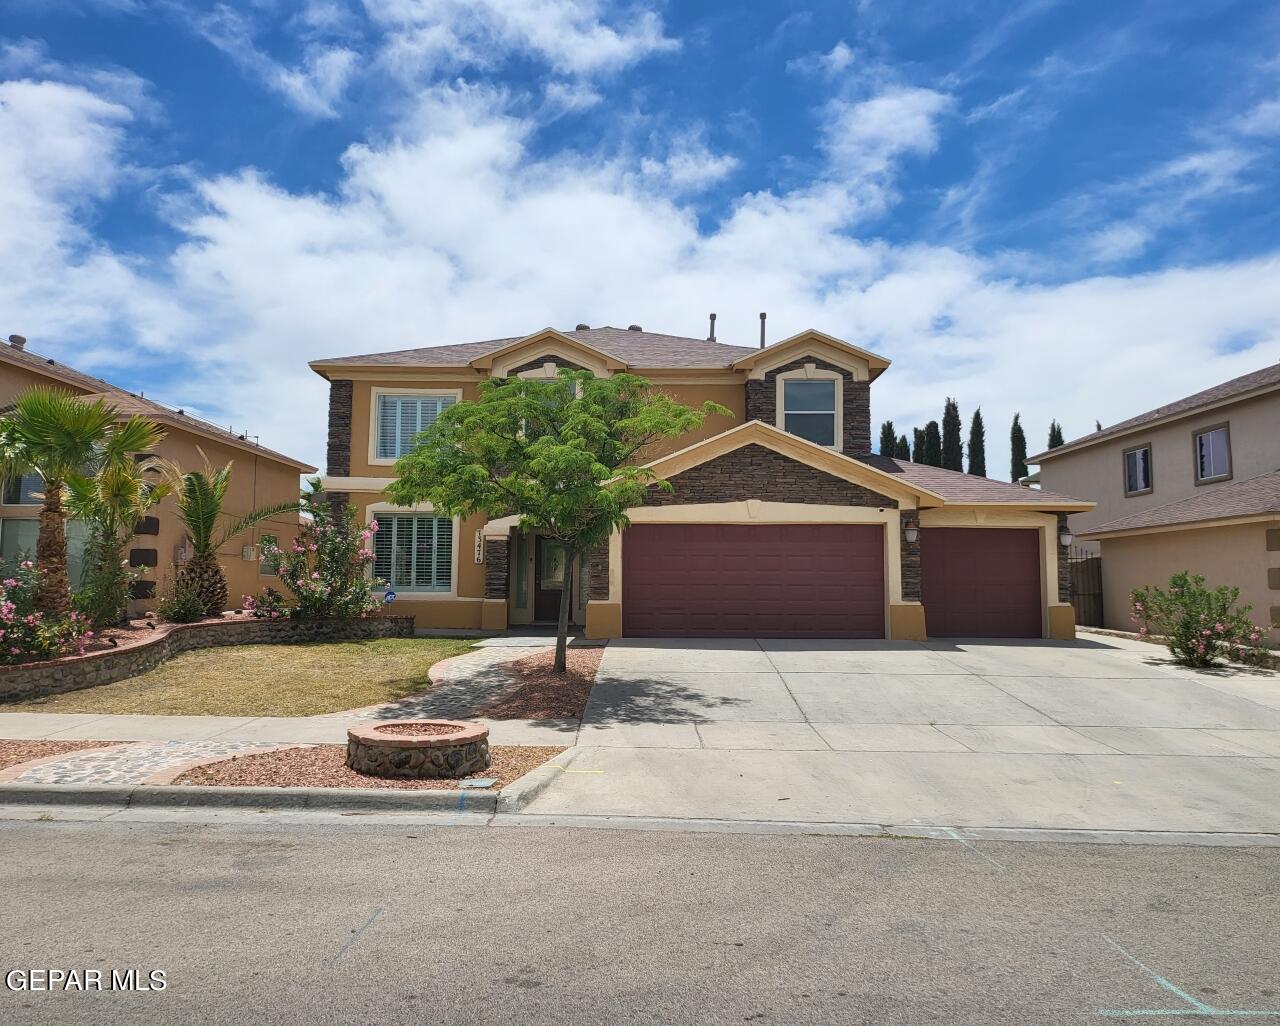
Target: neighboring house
(1192, 485)
(260, 477)
(782, 522)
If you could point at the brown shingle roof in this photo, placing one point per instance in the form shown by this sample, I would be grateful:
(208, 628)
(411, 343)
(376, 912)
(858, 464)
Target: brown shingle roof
(129, 403)
(1267, 377)
(637, 348)
(963, 488)
(1256, 496)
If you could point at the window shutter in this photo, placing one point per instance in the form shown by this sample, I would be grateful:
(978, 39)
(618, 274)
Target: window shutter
(444, 552)
(382, 548)
(388, 414)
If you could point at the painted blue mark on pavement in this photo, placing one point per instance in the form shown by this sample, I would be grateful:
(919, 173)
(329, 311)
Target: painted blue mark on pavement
(1197, 1007)
(355, 934)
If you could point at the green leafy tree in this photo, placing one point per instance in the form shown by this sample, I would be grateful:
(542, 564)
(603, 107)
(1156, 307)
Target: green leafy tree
(952, 453)
(917, 445)
(1017, 449)
(200, 495)
(888, 439)
(111, 502)
(57, 435)
(1055, 434)
(904, 448)
(977, 445)
(932, 444)
(560, 455)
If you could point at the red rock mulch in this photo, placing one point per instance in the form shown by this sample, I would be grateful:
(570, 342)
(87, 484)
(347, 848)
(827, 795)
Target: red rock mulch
(417, 729)
(543, 694)
(14, 752)
(326, 766)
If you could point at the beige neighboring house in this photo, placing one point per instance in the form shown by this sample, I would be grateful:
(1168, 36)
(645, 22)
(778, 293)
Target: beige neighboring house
(259, 478)
(782, 522)
(1192, 485)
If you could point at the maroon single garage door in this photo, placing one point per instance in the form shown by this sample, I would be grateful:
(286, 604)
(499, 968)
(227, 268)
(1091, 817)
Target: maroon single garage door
(769, 581)
(980, 582)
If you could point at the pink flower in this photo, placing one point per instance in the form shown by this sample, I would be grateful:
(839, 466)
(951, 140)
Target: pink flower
(9, 582)
(1255, 636)
(373, 526)
(1219, 627)
(1138, 606)
(1205, 634)
(26, 564)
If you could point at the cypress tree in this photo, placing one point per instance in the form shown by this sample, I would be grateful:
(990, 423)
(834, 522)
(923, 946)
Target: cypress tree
(904, 448)
(952, 453)
(1017, 450)
(888, 439)
(1055, 434)
(932, 444)
(917, 445)
(977, 445)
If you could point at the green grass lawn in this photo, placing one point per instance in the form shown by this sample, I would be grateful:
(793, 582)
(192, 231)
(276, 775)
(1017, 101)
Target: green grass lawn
(266, 680)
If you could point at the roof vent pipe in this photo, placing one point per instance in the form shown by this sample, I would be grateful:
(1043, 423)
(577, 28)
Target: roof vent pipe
(583, 327)
(762, 317)
(711, 335)
(634, 327)
(18, 341)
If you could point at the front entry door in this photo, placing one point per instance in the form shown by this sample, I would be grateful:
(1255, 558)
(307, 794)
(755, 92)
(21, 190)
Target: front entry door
(550, 578)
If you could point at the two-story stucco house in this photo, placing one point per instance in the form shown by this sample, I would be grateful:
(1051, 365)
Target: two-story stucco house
(782, 522)
(260, 477)
(1191, 485)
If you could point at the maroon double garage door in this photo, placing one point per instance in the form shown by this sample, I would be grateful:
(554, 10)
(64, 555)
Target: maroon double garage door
(821, 581)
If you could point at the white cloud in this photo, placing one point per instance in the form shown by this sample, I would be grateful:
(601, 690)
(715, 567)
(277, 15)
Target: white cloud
(560, 98)
(315, 86)
(1263, 119)
(689, 166)
(576, 37)
(835, 61)
(456, 228)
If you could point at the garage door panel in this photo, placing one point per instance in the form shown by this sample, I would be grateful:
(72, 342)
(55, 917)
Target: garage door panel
(739, 580)
(981, 582)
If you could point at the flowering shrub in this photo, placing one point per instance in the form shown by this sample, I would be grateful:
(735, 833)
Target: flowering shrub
(266, 605)
(325, 567)
(1198, 625)
(27, 635)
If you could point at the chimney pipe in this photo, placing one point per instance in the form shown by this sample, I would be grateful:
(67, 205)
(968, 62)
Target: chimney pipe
(711, 337)
(18, 341)
(762, 317)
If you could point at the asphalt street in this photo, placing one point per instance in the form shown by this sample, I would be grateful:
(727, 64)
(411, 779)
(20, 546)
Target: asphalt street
(363, 922)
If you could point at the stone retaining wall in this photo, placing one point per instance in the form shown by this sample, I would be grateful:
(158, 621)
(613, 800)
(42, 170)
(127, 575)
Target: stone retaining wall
(73, 673)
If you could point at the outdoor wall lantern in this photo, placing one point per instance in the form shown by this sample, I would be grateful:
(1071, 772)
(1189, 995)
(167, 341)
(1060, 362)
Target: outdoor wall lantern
(911, 533)
(1064, 538)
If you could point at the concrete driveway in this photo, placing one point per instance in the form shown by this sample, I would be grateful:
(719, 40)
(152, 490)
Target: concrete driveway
(1097, 734)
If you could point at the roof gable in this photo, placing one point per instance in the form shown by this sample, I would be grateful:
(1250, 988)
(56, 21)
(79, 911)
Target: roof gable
(837, 351)
(551, 341)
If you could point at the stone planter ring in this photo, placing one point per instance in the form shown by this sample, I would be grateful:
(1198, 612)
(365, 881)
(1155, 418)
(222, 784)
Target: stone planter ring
(418, 749)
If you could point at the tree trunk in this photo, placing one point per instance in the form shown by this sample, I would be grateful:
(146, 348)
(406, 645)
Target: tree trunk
(54, 595)
(562, 627)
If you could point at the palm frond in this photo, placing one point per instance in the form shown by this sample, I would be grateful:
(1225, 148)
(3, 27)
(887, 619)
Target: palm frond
(256, 517)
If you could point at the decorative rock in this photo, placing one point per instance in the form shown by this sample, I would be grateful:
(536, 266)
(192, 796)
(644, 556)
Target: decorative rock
(440, 748)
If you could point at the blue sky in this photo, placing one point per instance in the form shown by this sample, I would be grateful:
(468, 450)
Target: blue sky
(1066, 209)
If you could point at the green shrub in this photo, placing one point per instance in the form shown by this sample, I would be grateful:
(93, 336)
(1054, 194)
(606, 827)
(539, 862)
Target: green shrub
(268, 604)
(1199, 626)
(326, 565)
(183, 603)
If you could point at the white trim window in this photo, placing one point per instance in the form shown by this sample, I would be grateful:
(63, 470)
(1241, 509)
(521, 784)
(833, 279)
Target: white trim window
(809, 407)
(414, 552)
(402, 417)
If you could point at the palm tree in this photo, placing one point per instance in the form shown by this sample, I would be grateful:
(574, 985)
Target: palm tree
(112, 502)
(58, 435)
(200, 494)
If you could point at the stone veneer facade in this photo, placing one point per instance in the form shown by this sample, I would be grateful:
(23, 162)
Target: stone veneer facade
(762, 403)
(598, 572)
(497, 562)
(1064, 561)
(73, 673)
(911, 578)
(338, 454)
(754, 472)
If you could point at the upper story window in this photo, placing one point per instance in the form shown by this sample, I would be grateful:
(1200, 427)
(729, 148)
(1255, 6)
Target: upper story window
(402, 417)
(1213, 454)
(810, 408)
(24, 491)
(1137, 470)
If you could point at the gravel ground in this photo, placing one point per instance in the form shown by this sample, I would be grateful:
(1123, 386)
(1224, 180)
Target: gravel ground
(325, 766)
(14, 752)
(542, 694)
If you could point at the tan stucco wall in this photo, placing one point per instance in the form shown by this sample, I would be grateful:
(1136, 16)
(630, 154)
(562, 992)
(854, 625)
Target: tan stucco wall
(1097, 472)
(1236, 555)
(732, 395)
(14, 379)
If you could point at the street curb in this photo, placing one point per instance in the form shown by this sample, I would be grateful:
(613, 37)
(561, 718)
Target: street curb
(160, 796)
(519, 793)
